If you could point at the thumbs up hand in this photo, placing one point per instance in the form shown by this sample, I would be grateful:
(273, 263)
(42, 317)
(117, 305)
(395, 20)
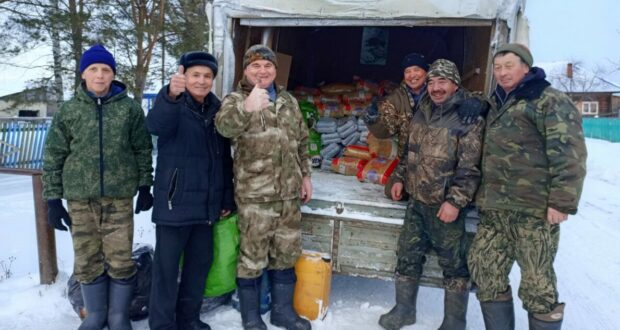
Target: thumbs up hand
(257, 100)
(177, 83)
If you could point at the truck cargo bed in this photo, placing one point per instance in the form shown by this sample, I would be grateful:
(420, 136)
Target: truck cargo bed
(358, 226)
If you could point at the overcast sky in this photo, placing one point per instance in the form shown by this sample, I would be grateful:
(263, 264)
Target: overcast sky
(574, 30)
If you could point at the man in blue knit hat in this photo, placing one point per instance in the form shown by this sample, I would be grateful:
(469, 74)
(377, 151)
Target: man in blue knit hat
(97, 156)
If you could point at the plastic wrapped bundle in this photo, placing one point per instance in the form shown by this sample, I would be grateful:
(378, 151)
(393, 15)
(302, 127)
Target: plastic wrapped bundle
(364, 137)
(330, 151)
(351, 139)
(347, 129)
(378, 170)
(361, 125)
(348, 165)
(358, 151)
(326, 165)
(330, 138)
(326, 125)
(385, 148)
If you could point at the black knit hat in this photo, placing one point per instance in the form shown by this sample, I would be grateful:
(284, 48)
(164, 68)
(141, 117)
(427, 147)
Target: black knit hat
(414, 59)
(190, 59)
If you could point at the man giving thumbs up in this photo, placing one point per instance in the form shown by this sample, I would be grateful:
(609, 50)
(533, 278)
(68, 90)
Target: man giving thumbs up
(193, 188)
(272, 178)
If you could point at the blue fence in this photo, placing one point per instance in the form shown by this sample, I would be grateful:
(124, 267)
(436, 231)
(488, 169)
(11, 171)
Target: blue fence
(22, 141)
(602, 128)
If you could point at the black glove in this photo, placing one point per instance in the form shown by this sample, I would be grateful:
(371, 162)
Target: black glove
(145, 199)
(56, 212)
(372, 112)
(471, 109)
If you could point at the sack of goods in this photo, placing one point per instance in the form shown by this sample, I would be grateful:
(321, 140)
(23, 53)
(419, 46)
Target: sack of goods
(384, 148)
(357, 151)
(348, 165)
(378, 170)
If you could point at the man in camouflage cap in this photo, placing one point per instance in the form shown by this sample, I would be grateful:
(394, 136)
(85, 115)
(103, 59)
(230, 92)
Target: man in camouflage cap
(440, 170)
(271, 166)
(390, 117)
(534, 164)
(97, 156)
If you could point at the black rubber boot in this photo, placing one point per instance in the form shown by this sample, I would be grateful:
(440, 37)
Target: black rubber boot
(549, 321)
(249, 301)
(194, 325)
(456, 297)
(499, 314)
(121, 294)
(455, 310)
(95, 296)
(282, 289)
(404, 312)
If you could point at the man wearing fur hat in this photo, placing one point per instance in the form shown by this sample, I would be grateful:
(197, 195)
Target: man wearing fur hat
(272, 177)
(97, 156)
(390, 117)
(193, 189)
(439, 168)
(534, 164)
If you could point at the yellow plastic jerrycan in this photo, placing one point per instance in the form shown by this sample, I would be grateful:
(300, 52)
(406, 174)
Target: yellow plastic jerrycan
(314, 281)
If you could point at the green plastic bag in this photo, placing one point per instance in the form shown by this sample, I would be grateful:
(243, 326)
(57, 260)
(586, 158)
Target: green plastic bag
(309, 113)
(223, 271)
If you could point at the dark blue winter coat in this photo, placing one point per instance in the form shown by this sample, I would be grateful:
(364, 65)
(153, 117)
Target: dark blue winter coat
(193, 176)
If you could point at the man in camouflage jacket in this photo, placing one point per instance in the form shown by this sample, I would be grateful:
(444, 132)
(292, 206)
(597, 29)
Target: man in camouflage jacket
(97, 155)
(440, 170)
(533, 167)
(272, 176)
(390, 117)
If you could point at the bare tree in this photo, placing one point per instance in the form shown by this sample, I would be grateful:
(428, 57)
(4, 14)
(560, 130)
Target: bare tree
(134, 30)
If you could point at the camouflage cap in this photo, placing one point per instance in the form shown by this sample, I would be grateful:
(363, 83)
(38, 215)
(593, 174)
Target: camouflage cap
(444, 69)
(259, 52)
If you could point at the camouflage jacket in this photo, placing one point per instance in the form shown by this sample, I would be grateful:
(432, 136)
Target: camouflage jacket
(534, 150)
(270, 146)
(441, 161)
(97, 147)
(395, 113)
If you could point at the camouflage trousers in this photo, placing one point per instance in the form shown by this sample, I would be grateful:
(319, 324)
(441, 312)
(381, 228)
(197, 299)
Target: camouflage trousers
(504, 237)
(422, 231)
(270, 235)
(102, 232)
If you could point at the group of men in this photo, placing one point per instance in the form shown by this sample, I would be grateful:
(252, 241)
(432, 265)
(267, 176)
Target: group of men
(98, 155)
(519, 157)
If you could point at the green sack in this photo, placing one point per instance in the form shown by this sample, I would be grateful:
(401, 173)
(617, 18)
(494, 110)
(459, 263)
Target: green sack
(223, 271)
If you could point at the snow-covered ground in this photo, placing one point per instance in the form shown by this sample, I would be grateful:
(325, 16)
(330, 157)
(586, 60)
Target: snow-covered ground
(587, 265)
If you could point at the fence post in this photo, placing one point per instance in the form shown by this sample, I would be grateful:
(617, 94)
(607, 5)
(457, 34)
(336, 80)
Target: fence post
(46, 240)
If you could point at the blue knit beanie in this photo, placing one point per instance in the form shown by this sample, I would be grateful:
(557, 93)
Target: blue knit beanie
(97, 54)
(414, 59)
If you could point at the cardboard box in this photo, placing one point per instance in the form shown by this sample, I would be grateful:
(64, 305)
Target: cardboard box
(284, 69)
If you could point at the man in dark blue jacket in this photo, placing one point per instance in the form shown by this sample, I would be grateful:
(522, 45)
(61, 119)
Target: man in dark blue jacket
(193, 189)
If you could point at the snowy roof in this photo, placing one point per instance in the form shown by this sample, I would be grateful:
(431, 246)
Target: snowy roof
(360, 9)
(584, 80)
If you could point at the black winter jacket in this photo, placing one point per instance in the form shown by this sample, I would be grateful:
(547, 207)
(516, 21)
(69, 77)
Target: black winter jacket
(193, 176)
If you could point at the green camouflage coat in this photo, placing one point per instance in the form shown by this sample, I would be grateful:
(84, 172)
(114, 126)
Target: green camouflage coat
(442, 158)
(534, 151)
(270, 146)
(97, 147)
(395, 113)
